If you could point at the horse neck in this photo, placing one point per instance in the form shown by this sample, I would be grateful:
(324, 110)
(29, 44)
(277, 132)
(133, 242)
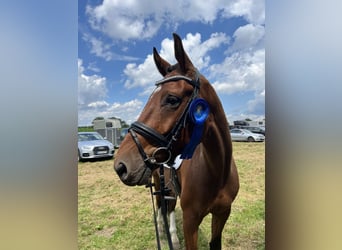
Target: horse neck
(216, 140)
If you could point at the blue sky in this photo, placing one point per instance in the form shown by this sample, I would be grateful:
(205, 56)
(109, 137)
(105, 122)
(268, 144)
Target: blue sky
(116, 72)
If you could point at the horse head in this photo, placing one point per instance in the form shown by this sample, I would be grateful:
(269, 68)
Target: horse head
(170, 124)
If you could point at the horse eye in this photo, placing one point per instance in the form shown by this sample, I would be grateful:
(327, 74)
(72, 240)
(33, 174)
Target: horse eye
(172, 101)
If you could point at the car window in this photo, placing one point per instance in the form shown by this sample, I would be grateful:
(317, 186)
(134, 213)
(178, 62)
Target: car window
(97, 137)
(82, 137)
(89, 137)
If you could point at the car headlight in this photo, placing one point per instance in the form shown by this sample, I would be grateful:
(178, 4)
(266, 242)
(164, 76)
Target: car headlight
(87, 147)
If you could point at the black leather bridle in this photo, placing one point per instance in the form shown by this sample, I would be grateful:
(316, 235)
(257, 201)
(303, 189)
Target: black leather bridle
(164, 142)
(164, 146)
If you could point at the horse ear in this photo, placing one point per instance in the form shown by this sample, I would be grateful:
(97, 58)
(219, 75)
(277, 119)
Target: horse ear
(161, 64)
(182, 58)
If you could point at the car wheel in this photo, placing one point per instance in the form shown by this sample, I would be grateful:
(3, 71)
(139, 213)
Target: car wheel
(79, 158)
(250, 139)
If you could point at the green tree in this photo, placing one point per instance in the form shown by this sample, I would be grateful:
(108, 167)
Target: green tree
(124, 124)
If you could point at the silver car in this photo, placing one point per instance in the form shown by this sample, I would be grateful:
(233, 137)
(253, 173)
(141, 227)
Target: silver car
(92, 145)
(245, 135)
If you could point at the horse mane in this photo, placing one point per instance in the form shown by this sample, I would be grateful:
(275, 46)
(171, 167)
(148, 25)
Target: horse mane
(217, 124)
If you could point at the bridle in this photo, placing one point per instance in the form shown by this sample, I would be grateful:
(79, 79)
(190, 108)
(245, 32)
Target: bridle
(164, 142)
(198, 108)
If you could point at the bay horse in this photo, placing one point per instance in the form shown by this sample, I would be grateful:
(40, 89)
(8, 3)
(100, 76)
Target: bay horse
(184, 116)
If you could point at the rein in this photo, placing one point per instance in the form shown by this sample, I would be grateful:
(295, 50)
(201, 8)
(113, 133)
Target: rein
(163, 192)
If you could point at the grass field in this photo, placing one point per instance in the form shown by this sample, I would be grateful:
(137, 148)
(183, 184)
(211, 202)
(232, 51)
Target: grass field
(114, 216)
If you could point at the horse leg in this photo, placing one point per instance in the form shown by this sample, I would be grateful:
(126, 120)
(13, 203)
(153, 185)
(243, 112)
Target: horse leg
(190, 228)
(173, 230)
(217, 224)
(160, 222)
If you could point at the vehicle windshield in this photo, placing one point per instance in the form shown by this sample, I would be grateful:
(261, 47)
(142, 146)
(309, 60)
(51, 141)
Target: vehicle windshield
(246, 131)
(89, 137)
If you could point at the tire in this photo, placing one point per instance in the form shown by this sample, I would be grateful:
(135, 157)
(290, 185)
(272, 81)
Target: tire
(250, 139)
(79, 158)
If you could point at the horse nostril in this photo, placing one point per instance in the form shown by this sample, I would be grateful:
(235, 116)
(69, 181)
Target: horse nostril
(121, 170)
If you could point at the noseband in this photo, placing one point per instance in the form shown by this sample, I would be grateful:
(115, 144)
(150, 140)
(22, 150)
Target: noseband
(164, 142)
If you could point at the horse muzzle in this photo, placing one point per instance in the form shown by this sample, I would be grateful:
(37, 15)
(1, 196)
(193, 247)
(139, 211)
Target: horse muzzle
(140, 177)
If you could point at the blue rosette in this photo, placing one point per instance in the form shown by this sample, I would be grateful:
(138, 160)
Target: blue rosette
(198, 112)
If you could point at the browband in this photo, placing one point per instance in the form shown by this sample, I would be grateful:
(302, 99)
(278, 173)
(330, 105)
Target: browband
(195, 83)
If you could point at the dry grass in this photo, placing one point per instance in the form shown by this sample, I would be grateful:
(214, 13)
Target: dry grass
(115, 216)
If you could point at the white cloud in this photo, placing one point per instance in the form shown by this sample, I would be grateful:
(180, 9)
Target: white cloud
(90, 87)
(141, 19)
(240, 72)
(125, 19)
(252, 10)
(98, 104)
(92, 66)
(257, 105)
(229, 87)
(98, 48)
(104, 50)
(91, 100)
(198, 51)
(142, 75)
(145, 74)
(242, 69)
(128, 111)
(247, 37)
